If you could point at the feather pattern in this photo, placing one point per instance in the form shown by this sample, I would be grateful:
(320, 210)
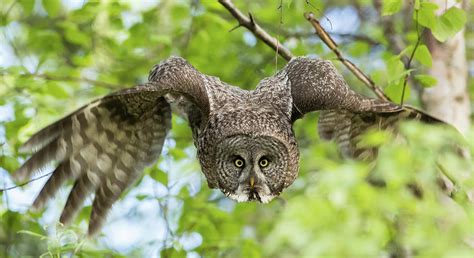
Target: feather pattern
(346, 128)
(103, 141)
(105, 145)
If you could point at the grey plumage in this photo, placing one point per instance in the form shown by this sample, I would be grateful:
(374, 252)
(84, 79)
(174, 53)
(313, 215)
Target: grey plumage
(244, 139)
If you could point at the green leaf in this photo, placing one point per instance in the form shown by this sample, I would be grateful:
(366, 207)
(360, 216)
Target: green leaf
(159, 175)
(27, 6)
(55, 90)
(423, 55)
(177, 153)
(141, 197)
(417, 4)
(426, 80)
(450, 23)
(52, 7)
(4, 20)
(374, 138)
(391, 7)
(394, 91)
(74, 35)
(9, 163)
(250, 249)
(426, 15)
(395, 69)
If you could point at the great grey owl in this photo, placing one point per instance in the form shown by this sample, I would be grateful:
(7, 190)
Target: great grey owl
(244, 139)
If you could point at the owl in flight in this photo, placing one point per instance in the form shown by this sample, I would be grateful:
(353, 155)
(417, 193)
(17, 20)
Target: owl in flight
(244, 139)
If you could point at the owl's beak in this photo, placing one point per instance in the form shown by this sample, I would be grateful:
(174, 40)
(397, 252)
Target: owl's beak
(252, 181)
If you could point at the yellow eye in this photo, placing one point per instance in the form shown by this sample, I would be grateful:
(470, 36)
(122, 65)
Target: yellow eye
(263, 162)
(239, 162)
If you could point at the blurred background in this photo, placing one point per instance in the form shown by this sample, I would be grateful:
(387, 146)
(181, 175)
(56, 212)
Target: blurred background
(57, 55)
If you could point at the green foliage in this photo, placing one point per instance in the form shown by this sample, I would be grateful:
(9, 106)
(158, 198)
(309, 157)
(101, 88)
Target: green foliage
(426, 14)
(52, 7)
(426, 80)
(450, 23)
(63, 57)
(391, 7)
(395, 77)
(422, 55)
(340, 214)
(442, 26)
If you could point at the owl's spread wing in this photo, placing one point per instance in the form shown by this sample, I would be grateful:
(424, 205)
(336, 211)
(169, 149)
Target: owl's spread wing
(346, 128)
(316, 85)
(105, 145)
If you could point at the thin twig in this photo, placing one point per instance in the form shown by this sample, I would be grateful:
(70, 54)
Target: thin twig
(408, 65)
(69, 78)
(319, 11)
(25, 183)
(252, 26)
(348, 36)
(280, 8)
(324, 36)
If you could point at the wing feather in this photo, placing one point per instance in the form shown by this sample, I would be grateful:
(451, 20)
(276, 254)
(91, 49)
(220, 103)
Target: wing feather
(346, 128)
(316, 85)
(105, 145)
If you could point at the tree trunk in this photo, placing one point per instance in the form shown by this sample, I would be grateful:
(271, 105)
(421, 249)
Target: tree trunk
(449, 98)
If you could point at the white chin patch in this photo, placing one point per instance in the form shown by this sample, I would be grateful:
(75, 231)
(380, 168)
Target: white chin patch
(241, 195)
(266, 198)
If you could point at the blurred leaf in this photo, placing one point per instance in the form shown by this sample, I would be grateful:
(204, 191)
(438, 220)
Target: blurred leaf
(426, 14)
(395, 70)
(250, 249)
(426, 80)
(56, 90)
(159, 175)
(178, 154)
(390, 7)
(423, 55)
(27, 6)
(395, 91)
(375, 138)
(74, 35)
(8, 163)
(52, 7)
(417, 4)
(450, 23)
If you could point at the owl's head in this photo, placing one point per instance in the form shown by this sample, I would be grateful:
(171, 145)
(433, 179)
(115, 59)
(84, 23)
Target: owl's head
(255, 168)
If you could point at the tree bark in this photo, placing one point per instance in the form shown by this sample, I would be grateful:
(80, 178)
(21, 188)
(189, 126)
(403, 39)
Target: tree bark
(449, 98)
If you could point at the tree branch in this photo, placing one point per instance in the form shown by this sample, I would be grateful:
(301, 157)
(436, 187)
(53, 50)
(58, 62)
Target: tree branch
(252, 26)
(25, 183)
(348, 36)
(69, 78)
(249, 23)
(324, 36)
